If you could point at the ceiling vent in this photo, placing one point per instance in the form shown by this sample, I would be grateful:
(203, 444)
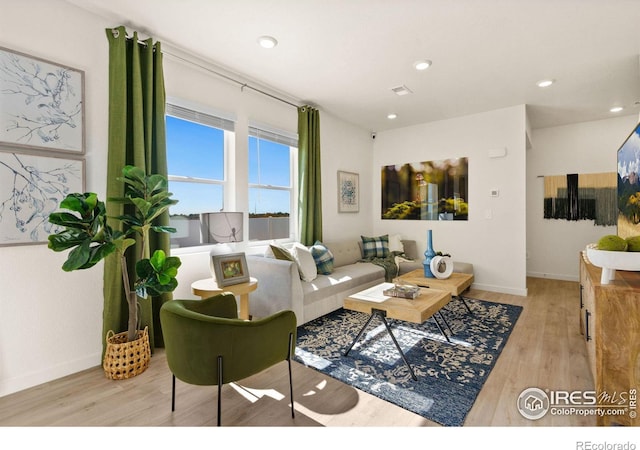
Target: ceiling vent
(401, 90)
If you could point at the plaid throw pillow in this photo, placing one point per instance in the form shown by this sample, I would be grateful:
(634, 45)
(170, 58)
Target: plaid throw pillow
(323, 258)
(375, 247)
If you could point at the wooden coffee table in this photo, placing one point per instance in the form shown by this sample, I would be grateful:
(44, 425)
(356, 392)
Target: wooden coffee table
(456, 284)
(372, 301)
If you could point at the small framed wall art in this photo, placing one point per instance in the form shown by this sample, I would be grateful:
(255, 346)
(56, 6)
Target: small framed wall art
(41, 104)
(230, 269)
(348, 192)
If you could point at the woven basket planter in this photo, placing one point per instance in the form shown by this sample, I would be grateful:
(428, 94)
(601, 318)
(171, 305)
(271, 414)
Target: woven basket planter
(125, 359)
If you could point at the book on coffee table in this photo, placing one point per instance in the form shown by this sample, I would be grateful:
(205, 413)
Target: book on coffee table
(374, 294)
(403, 291)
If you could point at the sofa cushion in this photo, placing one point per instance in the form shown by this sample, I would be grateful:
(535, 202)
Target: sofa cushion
(343, 278)
(410, 249)
(322, 257)
(375, 247)
(395, 244)
(344, 252)
(304, 260)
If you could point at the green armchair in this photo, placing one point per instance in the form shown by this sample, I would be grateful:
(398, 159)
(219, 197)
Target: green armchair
(206, 344)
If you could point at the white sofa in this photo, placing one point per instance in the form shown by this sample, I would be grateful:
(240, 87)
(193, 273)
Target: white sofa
(280, 285)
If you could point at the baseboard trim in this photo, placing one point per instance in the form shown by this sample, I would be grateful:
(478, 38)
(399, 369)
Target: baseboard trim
(500, 289)
(553, 276)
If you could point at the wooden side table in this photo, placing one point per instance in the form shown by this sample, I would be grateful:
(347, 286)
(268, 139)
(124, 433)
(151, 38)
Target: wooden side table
(456, 284)
(208, 287)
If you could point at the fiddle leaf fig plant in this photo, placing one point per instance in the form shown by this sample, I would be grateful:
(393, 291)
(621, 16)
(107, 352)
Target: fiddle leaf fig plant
(91, 238)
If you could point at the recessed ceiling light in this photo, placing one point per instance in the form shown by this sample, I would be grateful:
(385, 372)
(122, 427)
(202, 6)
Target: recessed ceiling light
(423, 64)
(392, 116)
(544, 83)
(616, 109)
(267, 41)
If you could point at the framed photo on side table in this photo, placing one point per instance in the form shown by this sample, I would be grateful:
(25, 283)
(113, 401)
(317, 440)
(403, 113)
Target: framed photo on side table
(348, 192)
(230, 269)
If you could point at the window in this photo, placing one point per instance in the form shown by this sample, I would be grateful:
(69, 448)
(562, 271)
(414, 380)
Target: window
(272, 169)
(196, 144)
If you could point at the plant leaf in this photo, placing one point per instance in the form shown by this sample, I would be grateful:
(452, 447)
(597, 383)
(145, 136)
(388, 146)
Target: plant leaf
(163, 229)
(77, 258)
(64, 240)
(157, 260)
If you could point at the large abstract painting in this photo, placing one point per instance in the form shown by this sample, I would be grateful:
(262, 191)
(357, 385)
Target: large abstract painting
(41, 104)
(629, 185)
(31, 188)
(427, 190)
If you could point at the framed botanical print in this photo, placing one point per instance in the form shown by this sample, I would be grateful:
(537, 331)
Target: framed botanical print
(31, 188)
(41, 104)
(348, 192)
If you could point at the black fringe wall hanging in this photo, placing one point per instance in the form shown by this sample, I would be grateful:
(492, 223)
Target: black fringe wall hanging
(582, 197)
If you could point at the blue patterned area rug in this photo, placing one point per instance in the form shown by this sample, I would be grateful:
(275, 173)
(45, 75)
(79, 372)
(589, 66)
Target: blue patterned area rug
(450, 374)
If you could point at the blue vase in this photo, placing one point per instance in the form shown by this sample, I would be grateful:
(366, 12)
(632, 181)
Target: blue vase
(429, 254)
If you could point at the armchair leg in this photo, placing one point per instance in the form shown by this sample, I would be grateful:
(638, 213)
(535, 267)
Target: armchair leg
(219, 389)
(293, 414)
(173, 392)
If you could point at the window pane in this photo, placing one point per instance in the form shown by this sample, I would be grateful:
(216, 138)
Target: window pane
(269, 217)
(193, 199)
(269, 163)
(194, 150)
(269, 201)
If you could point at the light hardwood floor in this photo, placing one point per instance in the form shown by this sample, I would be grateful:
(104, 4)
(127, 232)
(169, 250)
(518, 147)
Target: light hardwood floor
(545, 350)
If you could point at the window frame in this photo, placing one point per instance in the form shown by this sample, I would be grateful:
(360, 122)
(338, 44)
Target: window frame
(201, 115)
(266, 132)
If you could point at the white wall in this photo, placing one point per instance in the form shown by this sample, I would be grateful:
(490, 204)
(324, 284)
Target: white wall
(51, 321)
(590, 147)
(350, 149)
(493, 239)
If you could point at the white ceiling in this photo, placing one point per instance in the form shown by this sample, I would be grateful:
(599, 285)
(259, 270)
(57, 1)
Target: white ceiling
(345, 56)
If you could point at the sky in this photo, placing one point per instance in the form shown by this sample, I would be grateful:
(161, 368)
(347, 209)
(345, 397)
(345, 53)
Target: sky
(629, 154)
(195, 150)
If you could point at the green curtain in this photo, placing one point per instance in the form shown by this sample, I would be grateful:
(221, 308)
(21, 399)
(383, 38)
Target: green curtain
(309, 175)
(136, 137)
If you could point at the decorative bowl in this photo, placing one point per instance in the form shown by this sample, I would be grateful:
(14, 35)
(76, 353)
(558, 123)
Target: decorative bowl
(611, 261)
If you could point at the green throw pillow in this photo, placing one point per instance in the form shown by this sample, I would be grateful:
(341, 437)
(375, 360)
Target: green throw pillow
(282, 253)
(375, 247)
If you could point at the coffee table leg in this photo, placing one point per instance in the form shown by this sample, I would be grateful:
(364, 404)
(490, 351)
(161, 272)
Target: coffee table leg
(384, 320)
(445, 322)
(382, 314)
(359, 334)
(440, 328)
(461, 298)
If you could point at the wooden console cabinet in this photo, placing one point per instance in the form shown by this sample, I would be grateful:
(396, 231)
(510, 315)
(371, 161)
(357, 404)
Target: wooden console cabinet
(610, 323)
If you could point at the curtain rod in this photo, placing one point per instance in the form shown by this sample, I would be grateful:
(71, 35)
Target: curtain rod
(242, 84)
